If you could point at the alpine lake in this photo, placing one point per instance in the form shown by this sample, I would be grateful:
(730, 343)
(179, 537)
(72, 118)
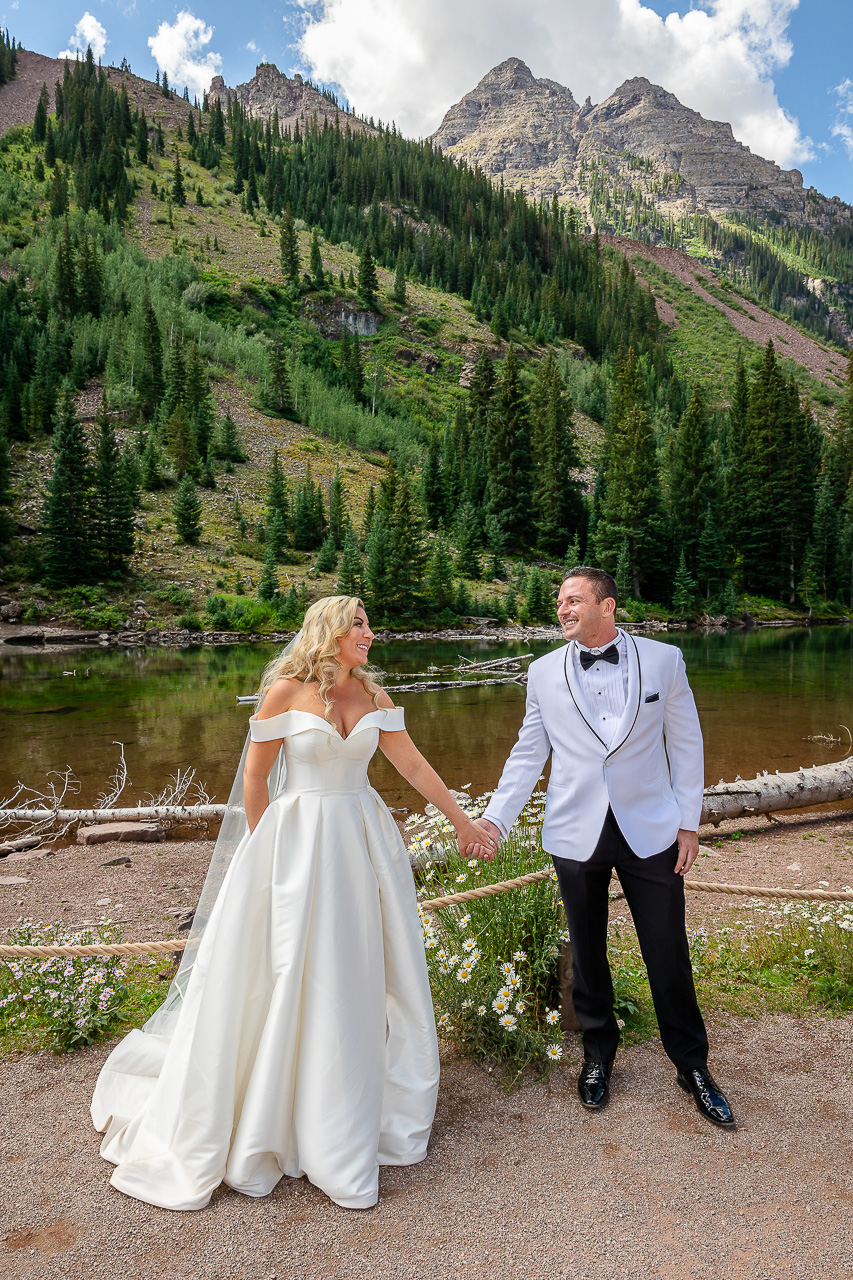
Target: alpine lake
(765, 697)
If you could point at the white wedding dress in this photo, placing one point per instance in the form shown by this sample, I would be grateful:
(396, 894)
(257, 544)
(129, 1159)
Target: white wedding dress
(306, 1043)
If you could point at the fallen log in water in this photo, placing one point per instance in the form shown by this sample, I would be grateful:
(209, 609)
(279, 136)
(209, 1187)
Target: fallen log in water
(774, 792)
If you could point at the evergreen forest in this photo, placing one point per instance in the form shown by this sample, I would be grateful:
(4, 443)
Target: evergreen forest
(243, 364)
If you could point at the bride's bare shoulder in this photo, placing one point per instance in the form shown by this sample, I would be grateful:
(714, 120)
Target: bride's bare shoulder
(280, 697)
(383, 701)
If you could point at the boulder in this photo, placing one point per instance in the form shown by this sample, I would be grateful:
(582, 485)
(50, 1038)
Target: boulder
(105, 832)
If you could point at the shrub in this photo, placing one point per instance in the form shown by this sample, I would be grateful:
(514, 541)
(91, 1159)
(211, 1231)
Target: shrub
(493, 962)
(77, 999)
(190, 622)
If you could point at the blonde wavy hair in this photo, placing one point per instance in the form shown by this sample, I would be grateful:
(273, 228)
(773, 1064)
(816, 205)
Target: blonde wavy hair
(314, 656)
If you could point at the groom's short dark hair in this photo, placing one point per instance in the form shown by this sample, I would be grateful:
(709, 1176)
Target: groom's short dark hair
(603, 585)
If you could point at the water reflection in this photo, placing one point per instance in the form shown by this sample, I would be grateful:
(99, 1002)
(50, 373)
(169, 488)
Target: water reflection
(760, 694)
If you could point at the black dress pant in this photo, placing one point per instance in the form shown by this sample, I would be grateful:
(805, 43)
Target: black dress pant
(655, 896)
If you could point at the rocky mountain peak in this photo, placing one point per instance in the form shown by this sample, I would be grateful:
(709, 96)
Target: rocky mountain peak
(270, 91)
(641, 142)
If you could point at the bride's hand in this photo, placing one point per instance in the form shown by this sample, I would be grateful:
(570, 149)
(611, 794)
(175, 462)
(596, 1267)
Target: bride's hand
(473, 842)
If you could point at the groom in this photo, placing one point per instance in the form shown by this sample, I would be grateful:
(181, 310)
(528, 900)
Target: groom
(625, 793)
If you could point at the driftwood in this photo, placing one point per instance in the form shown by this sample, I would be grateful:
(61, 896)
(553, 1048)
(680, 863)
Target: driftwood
(772, 792)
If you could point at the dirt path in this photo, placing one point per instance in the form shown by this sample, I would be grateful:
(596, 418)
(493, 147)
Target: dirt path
(514, 1187)
(757, 325)
(518, 1187)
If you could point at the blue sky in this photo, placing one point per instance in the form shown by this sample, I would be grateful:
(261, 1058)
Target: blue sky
(781, 71)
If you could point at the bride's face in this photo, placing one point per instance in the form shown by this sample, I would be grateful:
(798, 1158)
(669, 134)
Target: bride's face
(355, 645)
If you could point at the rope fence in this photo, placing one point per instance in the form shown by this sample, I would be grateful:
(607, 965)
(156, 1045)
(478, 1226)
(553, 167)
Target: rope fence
(170, 945)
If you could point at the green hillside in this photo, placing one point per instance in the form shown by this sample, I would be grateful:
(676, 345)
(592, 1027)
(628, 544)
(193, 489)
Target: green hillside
(340, 359)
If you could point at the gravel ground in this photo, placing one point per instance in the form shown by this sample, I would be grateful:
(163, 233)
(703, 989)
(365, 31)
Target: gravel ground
(520, 1186)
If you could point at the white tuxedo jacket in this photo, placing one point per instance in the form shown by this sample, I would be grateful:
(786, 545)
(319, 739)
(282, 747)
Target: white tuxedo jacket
(652, 775)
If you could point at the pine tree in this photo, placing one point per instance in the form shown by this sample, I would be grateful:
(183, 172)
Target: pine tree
(710, 555)
(282, 396)
(399, 294)
(69, 552)
(407, 555)
(350, 570)
(622, 576)
(58, 199)
(153, 476)
(466, 538)
(180, 442)
(538, 603)
(327, 560)
(276, 535)
(432, 491)
(440, 575)
(39, 131)
(377, 572)
(277, 490)
(845, 548)
(49, 147)
(289, 248)
(369, 513)
(7, 524)
(227, 443)
(179, 194)
(368, 281)
(631, 504)
(318, 279)
(509, 457)
(187, 512)
(557, 494)
(268, 583)
(691, 477)
(684, 589)
(112, 502)
(337, 508)
(141, 138)
(150, 385)
(825, 540)
(496, 543)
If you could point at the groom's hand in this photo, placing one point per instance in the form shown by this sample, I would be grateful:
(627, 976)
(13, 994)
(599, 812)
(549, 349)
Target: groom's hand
(688, 850)
(491, 831)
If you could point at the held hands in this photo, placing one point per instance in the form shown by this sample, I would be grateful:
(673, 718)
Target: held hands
(477, 839)
(688, 850)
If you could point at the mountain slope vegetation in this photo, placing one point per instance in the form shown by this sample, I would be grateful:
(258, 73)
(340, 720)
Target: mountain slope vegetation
(328, 358)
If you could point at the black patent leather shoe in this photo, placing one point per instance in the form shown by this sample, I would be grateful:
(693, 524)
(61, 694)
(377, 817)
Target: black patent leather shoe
(594, 1084)
(709, 1098)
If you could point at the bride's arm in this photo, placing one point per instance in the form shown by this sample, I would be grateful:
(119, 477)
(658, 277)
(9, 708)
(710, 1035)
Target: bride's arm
(416, 769)
(261, 756)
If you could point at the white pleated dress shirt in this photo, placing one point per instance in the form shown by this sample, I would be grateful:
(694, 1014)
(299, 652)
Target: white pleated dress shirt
(604, 688)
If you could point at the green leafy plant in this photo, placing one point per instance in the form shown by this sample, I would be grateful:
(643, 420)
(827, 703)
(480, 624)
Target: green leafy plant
(493, 961)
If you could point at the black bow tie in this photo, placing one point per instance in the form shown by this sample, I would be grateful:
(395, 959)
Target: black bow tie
(589, 659)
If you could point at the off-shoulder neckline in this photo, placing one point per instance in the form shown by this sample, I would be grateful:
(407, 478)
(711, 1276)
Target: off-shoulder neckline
(327, 724)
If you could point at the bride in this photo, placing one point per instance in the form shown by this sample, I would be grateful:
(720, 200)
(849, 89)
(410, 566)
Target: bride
(298, 1037)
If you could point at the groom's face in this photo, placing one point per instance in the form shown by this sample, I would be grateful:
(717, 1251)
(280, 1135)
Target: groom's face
(581, 616)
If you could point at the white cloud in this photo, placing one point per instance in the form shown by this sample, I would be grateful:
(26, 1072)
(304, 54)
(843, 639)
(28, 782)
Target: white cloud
(88, 32)
(177, 49)
(252, 46)
(406, 61)
(842, 125)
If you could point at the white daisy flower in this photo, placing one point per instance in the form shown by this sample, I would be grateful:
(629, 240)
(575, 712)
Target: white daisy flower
(460, 879)
(504, 994)
(554, 1052)
(514, 982)
(464, 974)
(444, 1020)
(473, 863)
(467, 1004)
(507, 969)
(508, 1022)
(520, 956)
(444, 967)
(499, 1005)
(481, 1010)
(552, 1017)
(464, 921)
(470, 944)
(564, 936)
(520, 1006)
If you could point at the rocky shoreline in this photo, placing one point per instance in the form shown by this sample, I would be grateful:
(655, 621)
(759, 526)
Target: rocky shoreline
(18, 636)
